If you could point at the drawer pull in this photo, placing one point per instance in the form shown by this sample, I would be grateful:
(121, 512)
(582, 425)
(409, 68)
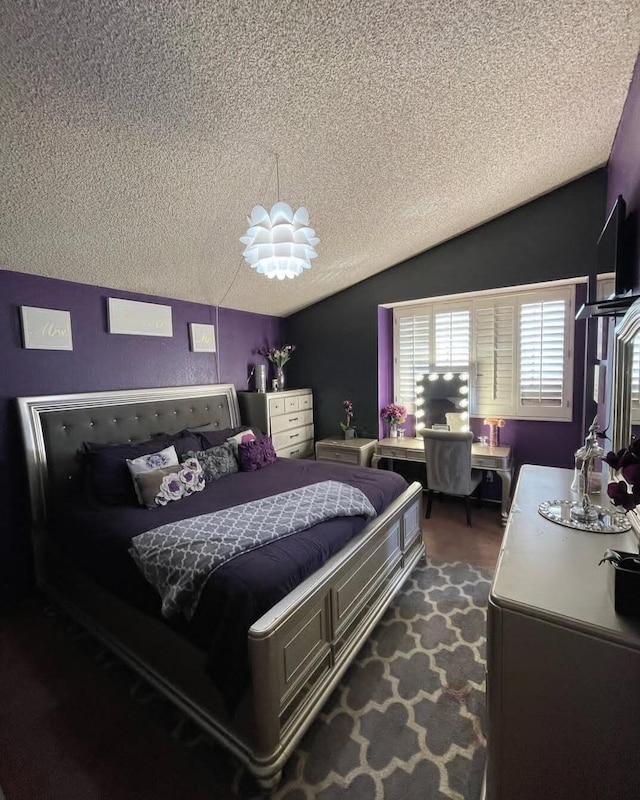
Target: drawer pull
(294, 452)
(293, 419)
(294, 435)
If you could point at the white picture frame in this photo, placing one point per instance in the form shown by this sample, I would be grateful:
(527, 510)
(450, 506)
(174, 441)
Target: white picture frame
(202, 337)
(139, 319)
(46, 328)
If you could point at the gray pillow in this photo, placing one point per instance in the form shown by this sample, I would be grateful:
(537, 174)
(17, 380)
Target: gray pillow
(216, 462)
(168, 484)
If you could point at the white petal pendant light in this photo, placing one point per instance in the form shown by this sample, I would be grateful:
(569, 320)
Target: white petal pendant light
(280, 244)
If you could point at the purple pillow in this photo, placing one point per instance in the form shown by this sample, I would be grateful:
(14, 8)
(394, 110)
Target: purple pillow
(107, 478)
(184, 441)
(256, 454)
(106, 475)
(215, 438)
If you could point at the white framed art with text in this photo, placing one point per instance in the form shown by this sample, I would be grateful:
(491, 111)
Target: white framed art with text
(202, 337)
(46, 328)
(139, 319)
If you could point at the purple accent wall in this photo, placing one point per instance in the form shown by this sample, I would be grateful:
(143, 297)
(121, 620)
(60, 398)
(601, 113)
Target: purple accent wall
(385, 362)
(623, 169)
(100, 360)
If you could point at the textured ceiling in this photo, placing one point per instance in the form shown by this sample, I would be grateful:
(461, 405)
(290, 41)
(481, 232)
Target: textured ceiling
(136, 135)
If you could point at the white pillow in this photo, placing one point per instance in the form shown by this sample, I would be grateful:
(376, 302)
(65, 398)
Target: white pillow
(239, 438)
(152, 461)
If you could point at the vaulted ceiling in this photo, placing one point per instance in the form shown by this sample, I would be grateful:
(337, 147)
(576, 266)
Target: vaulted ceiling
(136, 136)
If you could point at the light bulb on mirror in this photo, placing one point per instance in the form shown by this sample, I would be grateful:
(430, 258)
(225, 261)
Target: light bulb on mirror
(464, 390)
(433, 376)
(448, 376)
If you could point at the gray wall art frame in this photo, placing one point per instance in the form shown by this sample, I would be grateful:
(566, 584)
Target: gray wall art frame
(46, 328)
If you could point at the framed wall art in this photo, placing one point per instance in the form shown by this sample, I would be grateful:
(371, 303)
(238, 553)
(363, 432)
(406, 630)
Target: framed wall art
(139, 319)
(202, 337)
(46, 328)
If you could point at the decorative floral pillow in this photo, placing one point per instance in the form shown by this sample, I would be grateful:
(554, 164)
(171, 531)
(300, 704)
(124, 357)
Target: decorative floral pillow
(256, 454)
(167, 484)
(150, 462)
(241, 438)
(216, 462)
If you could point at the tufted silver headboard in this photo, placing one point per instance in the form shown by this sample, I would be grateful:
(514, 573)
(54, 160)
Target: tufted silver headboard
(55, 427)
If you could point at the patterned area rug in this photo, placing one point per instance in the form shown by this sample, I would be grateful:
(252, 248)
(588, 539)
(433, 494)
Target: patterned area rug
(407, 721)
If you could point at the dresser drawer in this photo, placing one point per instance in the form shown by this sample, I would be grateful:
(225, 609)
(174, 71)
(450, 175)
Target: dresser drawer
(485, 462)
(337, 454)
(400, 452)
(276, 406)
(293, 436)
(291, 404)
(301, 450)
(306, 400)
(291, 420)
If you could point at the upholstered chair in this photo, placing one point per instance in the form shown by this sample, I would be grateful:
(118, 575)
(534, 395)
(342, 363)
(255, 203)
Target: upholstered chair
(448, 457)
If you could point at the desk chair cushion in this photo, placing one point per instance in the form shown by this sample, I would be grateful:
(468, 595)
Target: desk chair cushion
(448, 457)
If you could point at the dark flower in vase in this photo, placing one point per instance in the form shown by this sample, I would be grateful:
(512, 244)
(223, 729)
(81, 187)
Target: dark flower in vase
(625, 492)
(348, 410)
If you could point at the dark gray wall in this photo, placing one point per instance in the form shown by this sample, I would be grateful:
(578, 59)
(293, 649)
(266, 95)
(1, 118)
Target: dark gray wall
(550, 238)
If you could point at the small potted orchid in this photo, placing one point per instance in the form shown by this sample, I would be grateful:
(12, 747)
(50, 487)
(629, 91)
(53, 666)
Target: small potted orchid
(347, 430)
(625, 492)
(278, 356)
(395, 415)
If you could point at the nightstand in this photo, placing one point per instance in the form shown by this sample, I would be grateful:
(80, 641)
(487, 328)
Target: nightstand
(357, 452)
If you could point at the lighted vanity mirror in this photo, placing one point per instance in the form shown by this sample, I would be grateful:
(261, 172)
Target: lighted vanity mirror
(626, 387)
(442, 400)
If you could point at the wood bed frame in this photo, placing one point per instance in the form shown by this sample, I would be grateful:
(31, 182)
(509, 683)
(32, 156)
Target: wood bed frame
(299, 650)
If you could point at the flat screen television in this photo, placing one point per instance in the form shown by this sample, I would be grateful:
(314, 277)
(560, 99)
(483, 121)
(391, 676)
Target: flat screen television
(611, 250)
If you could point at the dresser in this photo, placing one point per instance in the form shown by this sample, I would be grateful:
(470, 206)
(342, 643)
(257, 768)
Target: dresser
(563, 669)
(286, 416)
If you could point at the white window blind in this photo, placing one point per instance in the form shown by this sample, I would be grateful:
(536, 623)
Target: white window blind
(452, 339)
(518, 345)
(494, 358)
(542, 353)
(635, 383)
(412, 355)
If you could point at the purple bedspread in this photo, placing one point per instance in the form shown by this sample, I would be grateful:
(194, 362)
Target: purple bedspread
(241, 591)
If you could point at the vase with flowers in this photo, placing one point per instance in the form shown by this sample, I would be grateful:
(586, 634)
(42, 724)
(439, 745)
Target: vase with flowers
(395, 415)
(494, 423)
(278, 356)
(347, 430)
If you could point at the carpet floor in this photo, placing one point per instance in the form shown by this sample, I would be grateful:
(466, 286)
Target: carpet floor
(407, 720)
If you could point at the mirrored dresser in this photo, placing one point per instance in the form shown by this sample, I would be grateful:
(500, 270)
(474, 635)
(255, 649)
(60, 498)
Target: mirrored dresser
(563, 668)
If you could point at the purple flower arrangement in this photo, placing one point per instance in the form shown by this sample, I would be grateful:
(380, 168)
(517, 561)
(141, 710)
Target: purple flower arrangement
(394, 414)
(348, 410)
(625, 492)
(278, 355)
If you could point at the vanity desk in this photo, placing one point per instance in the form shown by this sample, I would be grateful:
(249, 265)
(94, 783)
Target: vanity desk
(496, 459)
(563, 669)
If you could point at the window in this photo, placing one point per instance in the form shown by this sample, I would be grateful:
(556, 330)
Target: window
(519, 347)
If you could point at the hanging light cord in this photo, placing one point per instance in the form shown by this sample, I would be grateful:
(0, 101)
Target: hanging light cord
(237, 272)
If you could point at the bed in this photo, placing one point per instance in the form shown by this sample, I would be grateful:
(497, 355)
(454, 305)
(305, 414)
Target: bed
(297, 649)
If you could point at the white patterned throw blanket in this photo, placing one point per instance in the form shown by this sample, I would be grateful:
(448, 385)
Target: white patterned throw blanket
(177, 558)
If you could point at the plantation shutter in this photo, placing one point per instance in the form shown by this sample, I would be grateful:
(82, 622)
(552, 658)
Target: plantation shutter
(452, 336)
(495, 358)
(412, 355)
(635, 383)
(542, 354)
